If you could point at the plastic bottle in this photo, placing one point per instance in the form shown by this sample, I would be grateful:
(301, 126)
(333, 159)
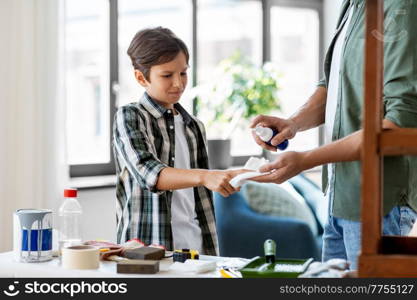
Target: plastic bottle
(266, 134)
(69, 214)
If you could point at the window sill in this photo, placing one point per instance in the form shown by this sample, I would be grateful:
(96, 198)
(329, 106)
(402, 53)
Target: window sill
(93, 182)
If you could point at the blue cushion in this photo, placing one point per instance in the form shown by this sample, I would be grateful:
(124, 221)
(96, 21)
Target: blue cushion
(242, 231)
(314, 198)
(281, 200)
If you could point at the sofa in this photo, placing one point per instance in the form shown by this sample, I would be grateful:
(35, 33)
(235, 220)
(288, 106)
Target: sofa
(242, 228)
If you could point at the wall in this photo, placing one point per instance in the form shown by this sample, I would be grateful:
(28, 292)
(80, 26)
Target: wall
(99, 214)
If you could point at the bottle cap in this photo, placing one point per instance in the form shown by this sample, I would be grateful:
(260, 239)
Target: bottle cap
(70, 193)
(264, 133)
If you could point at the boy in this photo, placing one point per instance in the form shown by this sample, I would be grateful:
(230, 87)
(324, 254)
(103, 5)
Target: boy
(163, 185)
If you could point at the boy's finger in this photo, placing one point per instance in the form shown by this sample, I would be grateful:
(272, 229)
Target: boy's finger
(229, 188)
(223, 192)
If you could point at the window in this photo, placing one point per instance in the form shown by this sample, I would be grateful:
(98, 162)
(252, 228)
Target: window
(137, 15)
(87, 77)
(223, 28)
(295, 48)
(99, 75)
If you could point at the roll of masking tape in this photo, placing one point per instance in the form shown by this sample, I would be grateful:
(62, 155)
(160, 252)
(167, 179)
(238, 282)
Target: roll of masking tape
(80, 257)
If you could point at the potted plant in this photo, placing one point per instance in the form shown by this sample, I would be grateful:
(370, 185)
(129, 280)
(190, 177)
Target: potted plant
(240, 91)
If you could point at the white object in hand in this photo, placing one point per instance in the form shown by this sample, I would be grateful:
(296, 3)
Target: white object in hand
(264, 133)
(254, 163)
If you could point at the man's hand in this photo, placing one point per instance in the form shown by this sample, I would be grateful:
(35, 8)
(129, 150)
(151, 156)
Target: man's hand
(286, 128)
(286, 166)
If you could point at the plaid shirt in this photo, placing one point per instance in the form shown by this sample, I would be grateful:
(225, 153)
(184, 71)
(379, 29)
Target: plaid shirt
(144, 144)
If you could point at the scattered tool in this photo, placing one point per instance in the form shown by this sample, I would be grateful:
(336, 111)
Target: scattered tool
(193, 266)
(138, 266)
(229, 273)
(184, 254)
(146, 253)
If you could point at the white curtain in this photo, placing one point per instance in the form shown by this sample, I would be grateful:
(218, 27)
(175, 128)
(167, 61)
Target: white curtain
(32, 136)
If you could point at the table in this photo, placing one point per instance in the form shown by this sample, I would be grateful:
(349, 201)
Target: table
(107, 269)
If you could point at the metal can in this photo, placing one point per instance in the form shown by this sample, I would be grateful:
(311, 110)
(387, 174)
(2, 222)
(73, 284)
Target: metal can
(32, 235)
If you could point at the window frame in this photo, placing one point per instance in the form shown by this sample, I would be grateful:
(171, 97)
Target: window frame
(109, 168)
(85, 170)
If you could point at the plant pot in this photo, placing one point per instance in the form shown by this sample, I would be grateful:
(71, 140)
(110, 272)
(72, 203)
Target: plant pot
(219, 154)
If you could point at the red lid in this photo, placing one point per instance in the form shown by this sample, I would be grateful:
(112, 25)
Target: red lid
(70, 193)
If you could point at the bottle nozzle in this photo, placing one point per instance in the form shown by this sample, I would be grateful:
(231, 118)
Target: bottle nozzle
(264, 133)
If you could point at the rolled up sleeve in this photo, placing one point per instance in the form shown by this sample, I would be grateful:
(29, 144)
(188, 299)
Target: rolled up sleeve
(133, 146)
(400, 77)
(322, 82)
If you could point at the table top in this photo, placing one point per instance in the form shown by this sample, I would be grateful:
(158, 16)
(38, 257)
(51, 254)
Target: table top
(53, 269)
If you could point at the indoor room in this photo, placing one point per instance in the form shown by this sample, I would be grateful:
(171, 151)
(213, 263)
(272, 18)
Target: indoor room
(80, 119)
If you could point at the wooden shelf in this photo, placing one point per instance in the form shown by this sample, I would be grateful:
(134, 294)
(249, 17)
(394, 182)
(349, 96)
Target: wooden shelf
(387, 266)
(381, 256)
(398, 142)
(399, 245)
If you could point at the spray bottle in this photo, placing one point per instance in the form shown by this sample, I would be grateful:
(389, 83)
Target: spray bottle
(266, 134)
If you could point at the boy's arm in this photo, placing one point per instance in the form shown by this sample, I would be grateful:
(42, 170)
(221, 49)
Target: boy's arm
(132, 146)
(215, 180)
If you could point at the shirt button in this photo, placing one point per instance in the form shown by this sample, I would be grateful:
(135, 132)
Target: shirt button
(171, 127)
(173, 158)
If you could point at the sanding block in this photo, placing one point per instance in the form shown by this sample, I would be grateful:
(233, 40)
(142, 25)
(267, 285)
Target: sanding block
(145, 253)
(138, 266)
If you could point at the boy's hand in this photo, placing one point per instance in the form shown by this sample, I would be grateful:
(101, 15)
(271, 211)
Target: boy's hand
(218, 181)
(287, 129)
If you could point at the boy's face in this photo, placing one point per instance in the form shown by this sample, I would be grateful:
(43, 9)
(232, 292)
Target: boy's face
(166, 81)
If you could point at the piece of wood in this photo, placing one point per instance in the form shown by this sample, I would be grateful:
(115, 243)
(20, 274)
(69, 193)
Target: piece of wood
(138, 266)
(387, 266)
(371, 161)
(144, 253)
(401, 141)
(382, 256)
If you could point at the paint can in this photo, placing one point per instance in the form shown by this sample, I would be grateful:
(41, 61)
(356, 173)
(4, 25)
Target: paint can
(32, 235)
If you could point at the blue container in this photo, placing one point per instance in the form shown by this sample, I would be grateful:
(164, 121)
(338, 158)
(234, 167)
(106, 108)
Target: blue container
(32, 235)
(43, 235)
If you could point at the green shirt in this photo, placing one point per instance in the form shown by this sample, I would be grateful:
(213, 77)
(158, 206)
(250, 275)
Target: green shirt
(400, 104)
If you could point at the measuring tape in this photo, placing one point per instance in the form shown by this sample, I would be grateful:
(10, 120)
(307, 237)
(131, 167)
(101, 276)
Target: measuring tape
(184, 254)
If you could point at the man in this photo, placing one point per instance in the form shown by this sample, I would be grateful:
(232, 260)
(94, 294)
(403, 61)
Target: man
(337, 102)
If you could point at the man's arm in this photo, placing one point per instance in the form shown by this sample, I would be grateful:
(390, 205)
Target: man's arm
(308, 116)
(312, 113)
(289, 164)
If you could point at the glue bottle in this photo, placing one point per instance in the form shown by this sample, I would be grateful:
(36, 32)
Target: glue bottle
(270, 249)
(69, 214)
(266, 134)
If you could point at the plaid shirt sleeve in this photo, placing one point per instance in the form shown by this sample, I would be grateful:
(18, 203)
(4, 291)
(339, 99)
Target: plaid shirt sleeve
(132, 146)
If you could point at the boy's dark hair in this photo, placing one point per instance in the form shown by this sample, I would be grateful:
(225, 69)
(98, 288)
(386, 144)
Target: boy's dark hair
(154, 46)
